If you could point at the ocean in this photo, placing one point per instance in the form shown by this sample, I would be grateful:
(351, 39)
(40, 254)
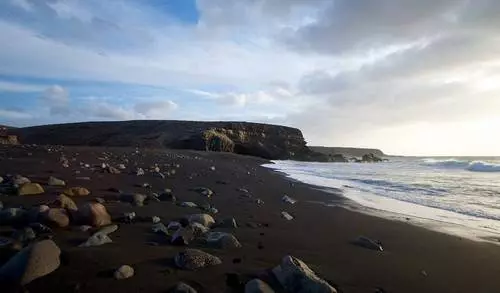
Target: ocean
(455, 195)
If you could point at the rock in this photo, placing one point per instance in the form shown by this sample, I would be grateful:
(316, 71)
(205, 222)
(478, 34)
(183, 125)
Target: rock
(167, 195)
(107, 229)
(183, 236)
(95, 214)
(204, 219)
(97, 239)
(100, 200)
(188, 204)
(228, 223)
(370, 158)
(193, 259)
(53, 181)
(19, 180)
(222, 240)
(295, 276)
(85, 228)
(243, 190)
(66, 202)
(368, 243)
(112, 170)
(33, 262)
(129, 217)
(159, 228)
(212, 168)
(24, 235)
(12, 215)
(258, 286)
(139, 172)
(156, 219)
(288, 199)
(77, 191)
(204, 191)
(124, 272)
(56, 217)
(182, 288)
(199, 229)
(287, 216)
(1, 205)
(30, 189)
(121, 167)
(135, 199)
(259, 201)
(174, 225)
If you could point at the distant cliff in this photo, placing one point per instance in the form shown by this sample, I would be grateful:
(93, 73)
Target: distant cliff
(261, 140)
(354, 152)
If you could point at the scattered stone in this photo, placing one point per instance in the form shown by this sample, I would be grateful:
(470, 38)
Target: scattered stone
(66, 202)
(259, 201)
(122, 167)
(76, 191)
(95, 214)
(129, 217)
(56, 217)
(204, 219)
(85, 228)
(288, 199)
(222, 240)
(295, 276)
(258, 286)
(33, 262)
(53, 181)
(182, 288)
(366, 242)
(40, 228)
(97, 239)
(19, 180)
(30, 189)
(139, 172)
(124, 272)
(228, 223)
(135, 199)
(156, 219)
(204, 191)
(107, 229)
(24, 235)
(188, 204)
(193, 259)
(100, 200)
(287, 216)
(112, 170)
(159, 228)
(212, 168)
(183, 236)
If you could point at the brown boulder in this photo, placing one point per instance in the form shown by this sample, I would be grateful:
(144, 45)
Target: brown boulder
(66, 202)
(30, 189)
(95, 214)
(56, 217)
(77, 191)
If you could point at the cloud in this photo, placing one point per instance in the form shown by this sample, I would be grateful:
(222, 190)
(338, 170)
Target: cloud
(23, 4)
(10, 114)
(56, 98)
(155, 109)
(104, 110)
(16, 87)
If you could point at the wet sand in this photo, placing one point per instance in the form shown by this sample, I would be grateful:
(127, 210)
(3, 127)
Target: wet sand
(414, 259)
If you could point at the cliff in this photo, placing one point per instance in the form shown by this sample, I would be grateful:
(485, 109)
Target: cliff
(261, 140)
(354, 152)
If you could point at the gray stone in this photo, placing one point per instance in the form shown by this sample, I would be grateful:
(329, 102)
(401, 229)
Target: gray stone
(182, 288)
(97, 239)
(188, 204)
(53, 181)
(222, 240)
(368, 243)
(33, 262)
(136, 199)
(159, 228)
(204, 191)
(183, 236)
(204, 219)
(286, 216)
(19, 180)
(106, 230)
(258, 286)
(124, 272)
(193, 259)
(288, 199)
(296, 277)
(156, 219)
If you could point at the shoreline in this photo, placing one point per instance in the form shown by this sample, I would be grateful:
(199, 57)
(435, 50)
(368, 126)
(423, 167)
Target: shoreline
(414, 260)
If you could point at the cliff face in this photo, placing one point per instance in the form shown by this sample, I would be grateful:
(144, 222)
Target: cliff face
(262, 140)
(355, 152)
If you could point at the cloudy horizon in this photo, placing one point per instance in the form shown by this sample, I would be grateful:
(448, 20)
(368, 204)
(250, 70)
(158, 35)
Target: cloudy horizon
(409, 77)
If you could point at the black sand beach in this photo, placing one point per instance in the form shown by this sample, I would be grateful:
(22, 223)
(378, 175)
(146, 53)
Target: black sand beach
(414, 259)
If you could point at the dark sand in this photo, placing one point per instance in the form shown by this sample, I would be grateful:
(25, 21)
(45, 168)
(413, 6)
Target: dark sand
(318, 235)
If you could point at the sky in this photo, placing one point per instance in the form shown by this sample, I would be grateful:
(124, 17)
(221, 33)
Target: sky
(411, 77)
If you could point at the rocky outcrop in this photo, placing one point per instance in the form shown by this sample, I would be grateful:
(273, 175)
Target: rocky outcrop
(348, 152)
(261, 140)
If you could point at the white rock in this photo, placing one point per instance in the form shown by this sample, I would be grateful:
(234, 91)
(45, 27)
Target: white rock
(288, 199)
(188, 204)
(287, 216)
(97, 239)
(204, 219)
(124, 272)
(156, 219)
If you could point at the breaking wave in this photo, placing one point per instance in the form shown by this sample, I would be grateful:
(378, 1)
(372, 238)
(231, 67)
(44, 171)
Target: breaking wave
(473, 166)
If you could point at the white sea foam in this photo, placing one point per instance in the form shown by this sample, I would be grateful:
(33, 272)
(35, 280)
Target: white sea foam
(473, 166)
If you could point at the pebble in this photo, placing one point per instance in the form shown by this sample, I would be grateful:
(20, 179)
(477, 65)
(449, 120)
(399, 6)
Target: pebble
(53, 181)
(160, 228)
(287, 216)
(156, 219)
(288, 199)
(193, 259)
(97, 239)
(124, 272)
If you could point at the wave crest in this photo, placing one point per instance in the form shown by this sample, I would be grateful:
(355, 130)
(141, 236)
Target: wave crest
(473, 166)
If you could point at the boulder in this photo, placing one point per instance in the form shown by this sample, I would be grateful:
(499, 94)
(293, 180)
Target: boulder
(204, 219)
(66, 202)
(296, 277)
(97, 239)
(56, 217)
(159, 228)
(182, 288)
(33, 262)
(193, 259)
(53, 181)
(222, 240)
(124, 272)
(77, 191)
(30, 189)
(258, 286)
(95, 214)
(286, 216)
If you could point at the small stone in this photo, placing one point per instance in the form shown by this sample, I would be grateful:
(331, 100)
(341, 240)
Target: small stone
(1, 205)
(222, 240)
(124, 272)
(199, 229)
(258, 286)
(53, 181)
(97, 239)
(1, 179)
(139, 172)
(193, 259)
(19, 180)
(77, 191)
(204, 219)
(30, 189)
(56, 217)
(122, 167)
(182, 288)
(135, 199)
(108, 229)
(188, 204)
(95, 214)
(286, 216)
(259, 201)
(33, 262)
(183, 236)
(159, 228)
(212, 168)
(100, 200)
(112, 170)
(156, 219)
(66, 202)
(288, 199)
(174, 225)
